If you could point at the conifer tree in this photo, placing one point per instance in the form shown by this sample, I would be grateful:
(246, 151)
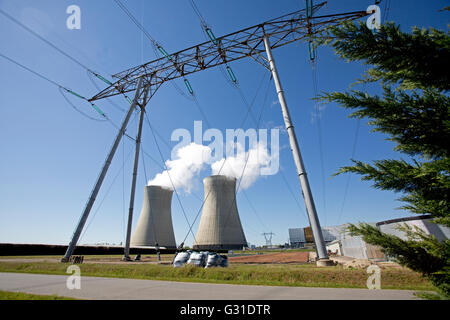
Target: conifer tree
(413, 111)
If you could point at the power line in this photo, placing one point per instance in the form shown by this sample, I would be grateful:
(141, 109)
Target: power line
(254, 210)
(63, 53)
(104, 197)
(355, 141)
(347, 183)
(386, 9)
(232, 80)
(76, 109)
(248, 154)
(168, 174)
(43, 39)
(319, 128)
(137, 23)
(198, 13)
(32, 71)
(293, 194)
(98, 88)
(225, 160)
(61, 87)
(157, 48)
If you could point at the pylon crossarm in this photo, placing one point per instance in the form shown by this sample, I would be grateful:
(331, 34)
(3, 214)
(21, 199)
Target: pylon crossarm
(234, 46)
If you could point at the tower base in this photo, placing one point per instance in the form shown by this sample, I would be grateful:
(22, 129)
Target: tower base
(325, 263)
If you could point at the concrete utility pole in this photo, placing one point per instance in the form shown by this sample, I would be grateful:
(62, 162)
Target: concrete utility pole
(307, 195)
(126, 256)
(101, 177)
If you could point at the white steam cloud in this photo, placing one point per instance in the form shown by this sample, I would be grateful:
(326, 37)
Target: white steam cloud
(181, 171)
(258, 159)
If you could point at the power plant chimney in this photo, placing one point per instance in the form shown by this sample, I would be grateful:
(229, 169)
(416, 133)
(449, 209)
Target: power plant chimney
(220, 226)
(155, 221)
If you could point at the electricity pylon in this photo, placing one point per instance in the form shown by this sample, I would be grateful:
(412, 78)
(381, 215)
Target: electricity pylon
(250, 42)
(268, 237)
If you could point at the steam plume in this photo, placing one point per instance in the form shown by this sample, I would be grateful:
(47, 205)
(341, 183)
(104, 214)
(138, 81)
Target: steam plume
(189, 162)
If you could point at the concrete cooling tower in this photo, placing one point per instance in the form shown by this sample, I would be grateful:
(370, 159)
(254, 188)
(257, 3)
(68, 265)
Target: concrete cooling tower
(155, 221)
(220, 226)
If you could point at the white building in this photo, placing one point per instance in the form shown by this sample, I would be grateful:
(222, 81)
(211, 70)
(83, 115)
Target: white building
(342, 243)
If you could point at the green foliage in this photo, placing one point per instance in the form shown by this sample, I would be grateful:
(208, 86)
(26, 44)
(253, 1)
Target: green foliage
(418, 122)
(420, 252)
(413, 111)
(8, 295)
(425, 185)
(415, 60)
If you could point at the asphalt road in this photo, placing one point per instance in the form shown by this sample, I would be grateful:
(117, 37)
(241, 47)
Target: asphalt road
(111, 288)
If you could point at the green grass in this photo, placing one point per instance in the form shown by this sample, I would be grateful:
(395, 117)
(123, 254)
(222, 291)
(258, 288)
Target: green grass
(430, 296)
(116, 257)
(271, 251)
(305, 275)
(7, 295)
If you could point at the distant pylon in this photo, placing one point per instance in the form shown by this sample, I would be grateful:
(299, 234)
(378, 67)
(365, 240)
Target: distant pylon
(268, 237)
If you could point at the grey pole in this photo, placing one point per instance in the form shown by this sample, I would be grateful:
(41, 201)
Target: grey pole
(306, 191)
(98, 184)
(126, 256)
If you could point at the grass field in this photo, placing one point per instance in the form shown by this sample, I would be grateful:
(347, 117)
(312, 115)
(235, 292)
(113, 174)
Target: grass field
(7, 295)
(306, 275)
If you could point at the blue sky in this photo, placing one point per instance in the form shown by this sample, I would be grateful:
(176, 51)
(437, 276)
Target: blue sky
(51, 155)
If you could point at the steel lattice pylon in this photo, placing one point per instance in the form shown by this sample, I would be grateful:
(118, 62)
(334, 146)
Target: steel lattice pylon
(251, 42)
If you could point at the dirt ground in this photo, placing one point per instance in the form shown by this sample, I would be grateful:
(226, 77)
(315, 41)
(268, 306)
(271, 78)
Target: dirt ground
(278, 257)
(281, 257)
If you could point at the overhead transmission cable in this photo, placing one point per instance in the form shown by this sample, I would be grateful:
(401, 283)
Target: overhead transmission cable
(96, 74)
(168, 174)
(43, 39)
(387, 7)
(89, 71)
(90, 75)
(318, 116)
(293, 194)
(355, 142)
(347, 183)
(157, 47)
(228, 73)
(231, 78)
(54, 46)
(105, 196)
(61, 87)
(248, 154)
(223, 164)
(96, 108)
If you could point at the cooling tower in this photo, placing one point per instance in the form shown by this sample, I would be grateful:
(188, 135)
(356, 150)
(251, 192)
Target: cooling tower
(155, 221)
(220, 226)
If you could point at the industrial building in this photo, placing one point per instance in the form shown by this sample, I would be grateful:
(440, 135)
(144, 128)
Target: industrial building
(340, 242)
(155, 221)
(298, 237)
(220, 227)
(423, 222)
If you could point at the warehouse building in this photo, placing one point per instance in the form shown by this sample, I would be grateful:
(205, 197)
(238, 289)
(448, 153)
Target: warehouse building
(340, 242)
